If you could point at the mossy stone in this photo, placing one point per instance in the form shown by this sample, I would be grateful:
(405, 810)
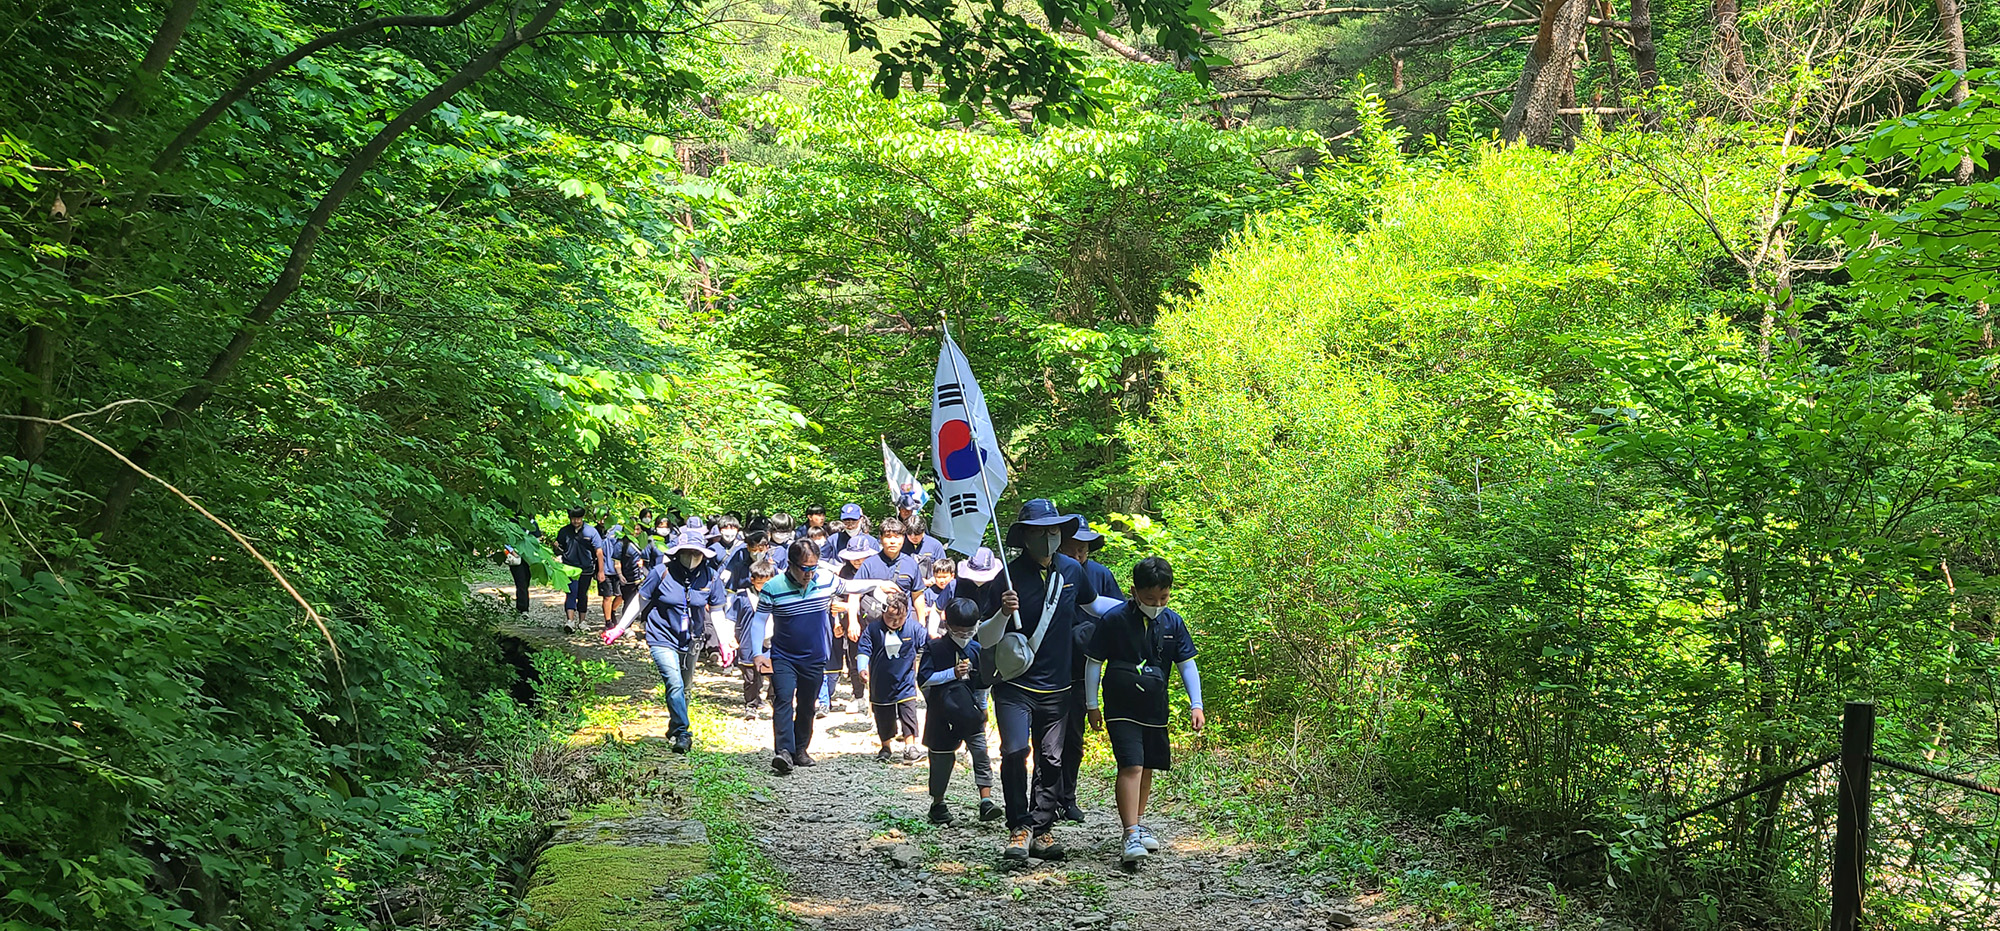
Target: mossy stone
(611, 887)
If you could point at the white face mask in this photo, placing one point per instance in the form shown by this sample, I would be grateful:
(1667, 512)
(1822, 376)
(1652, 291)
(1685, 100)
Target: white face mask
(961, 639)
(690, 560)
(729, 536)
(782, 537)
(1043, 545)
(1152, 611)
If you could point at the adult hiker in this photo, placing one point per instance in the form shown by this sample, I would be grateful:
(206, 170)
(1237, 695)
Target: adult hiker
(517, 563)
(891, 564)
(1027, 646)
(907, 506)
(815, 517)
(679, 600)
(796, 605)
(1079, 546)
(583, 549)
(1128, 657)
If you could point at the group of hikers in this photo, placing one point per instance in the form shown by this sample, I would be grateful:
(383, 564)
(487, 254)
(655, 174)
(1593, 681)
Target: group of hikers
(1045, 644)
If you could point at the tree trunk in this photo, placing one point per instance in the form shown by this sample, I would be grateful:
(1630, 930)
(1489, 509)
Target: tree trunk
(1611, 77)
(41, 344)
(303, 246)
(1954, 37)
(1729, 45)
(1547, 78)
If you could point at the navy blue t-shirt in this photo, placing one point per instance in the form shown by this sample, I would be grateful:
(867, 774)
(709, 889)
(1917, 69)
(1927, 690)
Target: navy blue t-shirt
(937, 598)
(582, 553)
(748, 621)
(677, 601)
(1127, 635)
(943, 653)
(1050, 671)
(626, 560)
(892, 657)
(1103, 580)
(902, 570)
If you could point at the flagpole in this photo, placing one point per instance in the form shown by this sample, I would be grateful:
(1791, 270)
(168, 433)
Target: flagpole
(1000, 546)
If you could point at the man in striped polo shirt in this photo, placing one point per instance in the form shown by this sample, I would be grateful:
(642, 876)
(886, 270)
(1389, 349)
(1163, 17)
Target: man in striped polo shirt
(795, 649)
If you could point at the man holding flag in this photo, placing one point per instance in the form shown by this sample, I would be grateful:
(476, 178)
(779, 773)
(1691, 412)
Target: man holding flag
(1028, 652)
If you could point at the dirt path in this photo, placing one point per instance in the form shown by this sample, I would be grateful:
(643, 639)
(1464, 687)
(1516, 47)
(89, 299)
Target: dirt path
(851, 837)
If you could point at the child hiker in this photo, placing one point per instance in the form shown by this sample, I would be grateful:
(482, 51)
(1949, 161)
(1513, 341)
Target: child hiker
(750, 622)
(955, 706)
(889, 651)
(1128, 655)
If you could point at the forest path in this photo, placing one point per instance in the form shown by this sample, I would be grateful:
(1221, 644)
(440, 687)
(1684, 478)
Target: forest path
(857, 854)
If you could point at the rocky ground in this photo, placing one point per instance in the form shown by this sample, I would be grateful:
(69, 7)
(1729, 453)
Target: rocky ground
(851, 838)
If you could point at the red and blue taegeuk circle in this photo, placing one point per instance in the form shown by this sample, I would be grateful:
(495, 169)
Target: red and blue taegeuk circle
(958, 456)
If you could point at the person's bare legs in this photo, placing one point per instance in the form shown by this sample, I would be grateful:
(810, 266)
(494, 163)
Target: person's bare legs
(1134, 784)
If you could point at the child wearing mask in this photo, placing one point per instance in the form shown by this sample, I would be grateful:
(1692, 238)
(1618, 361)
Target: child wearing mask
(889, 651)
(956, 710)
(1128, 657)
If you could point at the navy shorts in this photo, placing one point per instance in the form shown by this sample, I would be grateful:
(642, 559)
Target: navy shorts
(889, 717)
(1135, 744)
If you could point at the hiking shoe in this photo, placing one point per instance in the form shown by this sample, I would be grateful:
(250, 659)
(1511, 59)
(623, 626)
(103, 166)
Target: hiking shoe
(1146, 837)
(1017, 845)
(1046, 847)
(990, 810)
(911, 754)
(781, 763)
(940, 812)
(856, 706)
(884, 755)
(683, 745)
(819, 712)
(1135, 849)
(802, 758)
(749, 714)
(1073, 813)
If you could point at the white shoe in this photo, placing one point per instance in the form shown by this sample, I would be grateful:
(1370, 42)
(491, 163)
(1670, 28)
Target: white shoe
(1135, 849)
(856, 706)
(1145, 835)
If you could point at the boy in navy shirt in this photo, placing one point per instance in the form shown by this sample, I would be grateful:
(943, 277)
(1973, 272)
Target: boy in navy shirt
(1129, 655)
(889, 650)
(750, 623)
(931, 602)
(950, 676)
(626, 563)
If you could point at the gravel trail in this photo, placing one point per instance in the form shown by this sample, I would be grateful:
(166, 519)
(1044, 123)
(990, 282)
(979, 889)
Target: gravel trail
(850, 834)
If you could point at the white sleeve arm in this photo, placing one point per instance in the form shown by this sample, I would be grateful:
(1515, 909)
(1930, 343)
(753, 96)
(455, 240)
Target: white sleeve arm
(1093, 673)
(1105, 604)
(1191, 679)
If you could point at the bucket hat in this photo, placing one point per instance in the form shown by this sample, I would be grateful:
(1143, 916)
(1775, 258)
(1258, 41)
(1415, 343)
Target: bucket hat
(980, 567)
(690, 539)
(861, 546)
(1040, 512)
(1085, 534)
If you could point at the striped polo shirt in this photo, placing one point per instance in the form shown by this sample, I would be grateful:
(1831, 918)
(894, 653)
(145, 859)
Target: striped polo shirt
(801, 623)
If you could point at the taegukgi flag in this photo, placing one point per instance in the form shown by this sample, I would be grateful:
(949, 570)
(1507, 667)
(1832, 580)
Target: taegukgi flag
(901, 482)
(971, 474)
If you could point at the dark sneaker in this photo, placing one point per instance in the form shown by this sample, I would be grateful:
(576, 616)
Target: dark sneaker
(990, 810)
(802, 758)
(1017, 845)
(883, 755)
(1072, 813)
(1046, 847)
(940, 813)
(781, 763)
(820, 712)
(683, 745)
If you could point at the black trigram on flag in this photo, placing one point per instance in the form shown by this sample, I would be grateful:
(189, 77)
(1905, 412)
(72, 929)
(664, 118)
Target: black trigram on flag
(952, 395)
(962, 504)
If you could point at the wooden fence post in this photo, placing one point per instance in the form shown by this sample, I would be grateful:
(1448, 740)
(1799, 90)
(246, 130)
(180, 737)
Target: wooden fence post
(1850, 832)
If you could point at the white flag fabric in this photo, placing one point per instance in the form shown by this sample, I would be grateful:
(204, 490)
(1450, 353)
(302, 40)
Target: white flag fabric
(901, 482)
(971, 475)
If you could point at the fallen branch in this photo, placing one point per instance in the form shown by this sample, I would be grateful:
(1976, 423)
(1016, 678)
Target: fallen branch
(1302, 14)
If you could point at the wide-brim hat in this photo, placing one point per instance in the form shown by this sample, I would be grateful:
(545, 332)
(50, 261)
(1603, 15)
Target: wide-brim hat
(980, 567)
(1040, 512)
(1084, 534)
(850, 512)
(909, 501)
(860, 546)
(689, 539)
